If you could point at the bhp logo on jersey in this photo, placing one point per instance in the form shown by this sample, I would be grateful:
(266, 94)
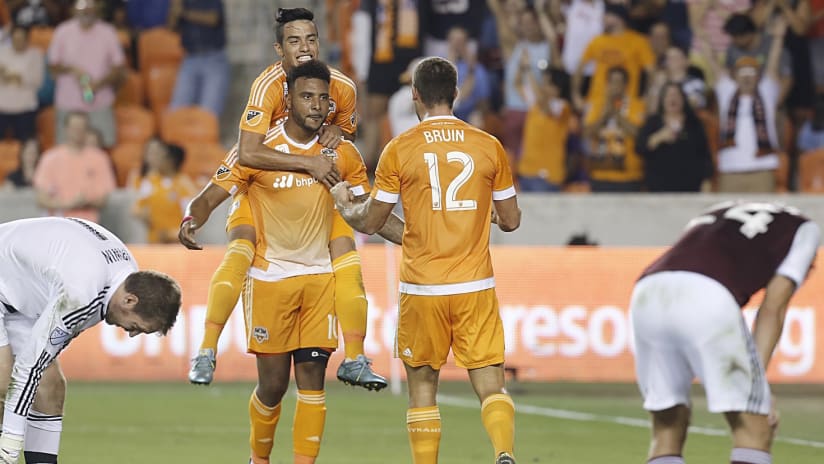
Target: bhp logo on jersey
(289, 181)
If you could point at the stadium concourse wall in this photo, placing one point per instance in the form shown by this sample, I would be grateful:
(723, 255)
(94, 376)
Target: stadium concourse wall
(564, 309)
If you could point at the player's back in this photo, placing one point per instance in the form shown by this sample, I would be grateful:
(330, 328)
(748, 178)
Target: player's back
(447, 172)
(739, 245)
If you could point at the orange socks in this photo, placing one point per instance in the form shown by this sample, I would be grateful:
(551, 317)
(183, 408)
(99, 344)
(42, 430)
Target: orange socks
(350, 302)
(307, 431)
(498, 416)
(424, 427)
(264, 420)
(224, 289)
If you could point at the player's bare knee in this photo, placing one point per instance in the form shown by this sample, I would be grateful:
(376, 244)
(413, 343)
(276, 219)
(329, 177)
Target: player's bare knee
(750, 430)
(243, 232)
(51, 392)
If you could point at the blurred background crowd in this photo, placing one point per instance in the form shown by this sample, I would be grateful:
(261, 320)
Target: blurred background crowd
(586, 95)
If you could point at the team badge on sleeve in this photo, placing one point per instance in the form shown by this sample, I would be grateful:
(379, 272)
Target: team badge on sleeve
(59, 336)
(353, 120)
(222, 173)
(253, 117)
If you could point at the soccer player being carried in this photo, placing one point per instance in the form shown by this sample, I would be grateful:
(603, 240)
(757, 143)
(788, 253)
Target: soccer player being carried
(687, 323)
(59, 277)
(289, 296)
(296, 42)
(447, 174)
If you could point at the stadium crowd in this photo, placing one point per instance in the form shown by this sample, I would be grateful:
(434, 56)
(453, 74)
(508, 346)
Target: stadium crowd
(586, 95)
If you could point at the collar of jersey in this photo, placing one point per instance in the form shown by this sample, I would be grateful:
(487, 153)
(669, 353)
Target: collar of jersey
(435, 118)
(302, 146)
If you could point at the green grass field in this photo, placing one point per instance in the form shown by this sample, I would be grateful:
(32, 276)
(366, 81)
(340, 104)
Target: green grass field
(179, 423)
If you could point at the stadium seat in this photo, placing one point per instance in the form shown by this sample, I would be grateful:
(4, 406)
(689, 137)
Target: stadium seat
(126, 157)
(159, 82)
(9, 157)
(131, 91)
(189, 125)
(135, 124)
(202, 160)
(46, 128)
(811, 172)
(40, 37)
(158, 46)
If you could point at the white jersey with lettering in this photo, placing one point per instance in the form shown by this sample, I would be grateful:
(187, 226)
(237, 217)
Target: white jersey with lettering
(60, 273)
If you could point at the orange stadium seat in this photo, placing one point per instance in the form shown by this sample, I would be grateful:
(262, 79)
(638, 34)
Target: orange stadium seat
(135, 124)
(811, 172)
(189, 125)
(126, 157)
(158, 46)
(9, 157)
(131, 91)
(202, 160)
(46, 128)
(159, 82)
(40, 37)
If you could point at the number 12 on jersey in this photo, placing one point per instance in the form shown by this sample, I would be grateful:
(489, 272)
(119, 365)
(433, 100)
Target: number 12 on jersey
(451, 200)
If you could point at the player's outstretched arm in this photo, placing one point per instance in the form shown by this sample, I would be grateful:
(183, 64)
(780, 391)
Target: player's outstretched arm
(198, 212)
(507, 214)
(253, 153)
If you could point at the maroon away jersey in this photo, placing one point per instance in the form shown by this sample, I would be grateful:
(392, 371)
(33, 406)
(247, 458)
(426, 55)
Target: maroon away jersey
(741, 246)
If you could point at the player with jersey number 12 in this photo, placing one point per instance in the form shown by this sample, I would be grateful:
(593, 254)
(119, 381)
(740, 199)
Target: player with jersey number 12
(447, 174)
(687, 323)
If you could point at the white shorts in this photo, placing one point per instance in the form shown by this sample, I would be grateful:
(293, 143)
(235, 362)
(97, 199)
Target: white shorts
(15, 330)
(687, 325)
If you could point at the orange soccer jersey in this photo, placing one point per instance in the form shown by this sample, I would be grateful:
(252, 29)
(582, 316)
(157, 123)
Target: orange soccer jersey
(292, 211)
(165, 200)
(267, 101)
(446, 173)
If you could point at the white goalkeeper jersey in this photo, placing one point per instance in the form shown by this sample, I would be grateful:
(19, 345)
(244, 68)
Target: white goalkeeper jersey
(60, 272)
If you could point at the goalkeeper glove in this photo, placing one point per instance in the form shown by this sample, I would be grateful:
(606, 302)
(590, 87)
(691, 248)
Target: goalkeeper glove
(10, 447)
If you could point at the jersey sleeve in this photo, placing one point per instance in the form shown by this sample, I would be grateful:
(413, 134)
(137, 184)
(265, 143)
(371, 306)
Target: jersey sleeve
(346, 116)
(387, 176)
(264, 97)
(503, 187)
(802, 252)
(231, 176)
(353, 169)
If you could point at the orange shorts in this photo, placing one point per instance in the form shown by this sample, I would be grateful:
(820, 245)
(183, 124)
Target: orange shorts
(469, 323)
(297, 312)
(240, 213)
(340, 228)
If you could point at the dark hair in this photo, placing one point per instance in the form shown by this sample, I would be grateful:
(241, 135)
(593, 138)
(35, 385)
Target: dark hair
(617, 10)
(313, 69)
(619, 70)
(435, 79)
(158, 297)
(22, 27)
(559, 78)
(287, 15)
(176, 155)
(689, 113)
(739, 24)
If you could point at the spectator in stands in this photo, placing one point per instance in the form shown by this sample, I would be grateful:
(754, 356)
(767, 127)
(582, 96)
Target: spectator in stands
(816, 38)
(442, 16)
(542, 167)
(748, 40)
(203, 78)
(146, 14)
(674, 146)
(94, 139)
(23, 176)
(660, 40)
(708, 19)
(87, 59)
(642, 13)
(401, 112)
(163, 191)
(617, 46)
(527, 37)
(676, 15)
(71, 178)
(28, 13)
(474, 85)
(584, 22)
(610, 128)
(21, 74)
(747, 105)
(811, 135)
(676, 69)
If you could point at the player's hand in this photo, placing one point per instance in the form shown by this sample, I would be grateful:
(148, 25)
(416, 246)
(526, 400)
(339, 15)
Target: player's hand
(186, 235)
(323, 168)
(341, 194)
(329, 136)
(10, 447)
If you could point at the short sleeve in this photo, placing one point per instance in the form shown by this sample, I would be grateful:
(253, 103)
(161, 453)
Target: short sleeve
(116, 55)
(502, 187)
(353, 169)
(232, 178)
(346, 115)
(55, 52)
(802, 252)
(264, 97)
(387, 175)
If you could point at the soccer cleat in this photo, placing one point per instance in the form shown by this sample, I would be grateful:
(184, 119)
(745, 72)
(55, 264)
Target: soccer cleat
(359, 372)
(505, 458)
(203, 367)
